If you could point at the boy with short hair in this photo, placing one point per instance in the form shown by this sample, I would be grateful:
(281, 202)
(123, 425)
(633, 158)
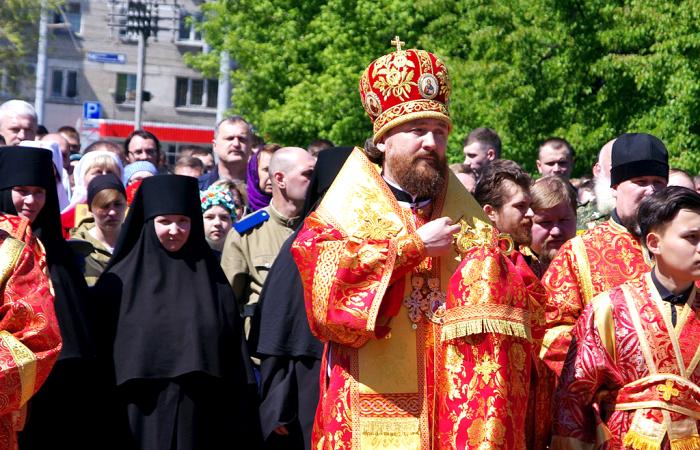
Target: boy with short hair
(631, 376)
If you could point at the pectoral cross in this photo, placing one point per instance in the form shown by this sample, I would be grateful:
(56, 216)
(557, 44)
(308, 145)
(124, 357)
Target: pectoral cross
(398, 43)
(668, 390)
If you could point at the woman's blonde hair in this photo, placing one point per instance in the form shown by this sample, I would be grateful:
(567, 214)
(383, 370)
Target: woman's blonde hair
(105, 197)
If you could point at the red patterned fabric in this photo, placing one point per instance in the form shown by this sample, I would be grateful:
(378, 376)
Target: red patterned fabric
(486, 381)
(29, 336)
(609, 379)
(476, 384)
(538, 418)
(355, 279)
(600, 259)
(405, 85)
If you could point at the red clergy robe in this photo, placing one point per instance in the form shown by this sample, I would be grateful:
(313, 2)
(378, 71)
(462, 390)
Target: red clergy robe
(631, 379)
(600, 259)
(422, 353)
(29, 337)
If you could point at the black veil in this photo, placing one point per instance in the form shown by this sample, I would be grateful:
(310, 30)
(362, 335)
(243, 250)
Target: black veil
(70, 393)
(175, 311)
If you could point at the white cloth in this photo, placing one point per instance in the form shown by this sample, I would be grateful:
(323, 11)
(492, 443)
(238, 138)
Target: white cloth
(62, 181)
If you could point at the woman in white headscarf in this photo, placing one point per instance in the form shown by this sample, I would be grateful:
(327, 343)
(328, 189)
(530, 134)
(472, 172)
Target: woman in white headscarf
(62, 184)
(92, 164)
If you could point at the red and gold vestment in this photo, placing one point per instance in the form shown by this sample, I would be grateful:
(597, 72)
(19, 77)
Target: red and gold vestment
(422, 353)
(29, 336)
(631, 380)
(600, 259)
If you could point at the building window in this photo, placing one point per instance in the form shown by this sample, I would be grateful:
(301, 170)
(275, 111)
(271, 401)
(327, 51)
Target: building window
(126, 88)
(188, 27)
(196, 93)
(64, 83)
(71, 14)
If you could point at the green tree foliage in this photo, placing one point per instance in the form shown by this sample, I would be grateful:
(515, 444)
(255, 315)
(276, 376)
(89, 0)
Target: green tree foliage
(585, 70)
(18, 33)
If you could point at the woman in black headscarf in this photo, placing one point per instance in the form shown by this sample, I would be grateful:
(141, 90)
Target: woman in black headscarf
(181, 370)
(61, 413)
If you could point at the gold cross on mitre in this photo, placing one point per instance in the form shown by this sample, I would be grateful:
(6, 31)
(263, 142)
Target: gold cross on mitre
(668, 390)
(398, 43)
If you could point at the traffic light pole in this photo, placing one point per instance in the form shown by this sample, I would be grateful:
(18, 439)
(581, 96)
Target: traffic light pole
(139, 81)
(40, 87)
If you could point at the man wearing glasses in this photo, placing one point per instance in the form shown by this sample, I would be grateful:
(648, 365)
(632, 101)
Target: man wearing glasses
(142, 146)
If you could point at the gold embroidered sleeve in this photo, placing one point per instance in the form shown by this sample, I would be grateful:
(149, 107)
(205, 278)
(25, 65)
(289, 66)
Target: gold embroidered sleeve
(410, 251)
(345, 279)
(29, 335)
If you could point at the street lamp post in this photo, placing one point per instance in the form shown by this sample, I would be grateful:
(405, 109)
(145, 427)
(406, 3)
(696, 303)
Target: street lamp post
(142, 22)
(40, 87)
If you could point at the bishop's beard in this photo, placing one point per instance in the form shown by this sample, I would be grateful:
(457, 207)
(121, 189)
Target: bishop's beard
(419, 175)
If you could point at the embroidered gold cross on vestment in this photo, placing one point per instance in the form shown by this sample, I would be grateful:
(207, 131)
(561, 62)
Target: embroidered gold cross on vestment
(668, 390)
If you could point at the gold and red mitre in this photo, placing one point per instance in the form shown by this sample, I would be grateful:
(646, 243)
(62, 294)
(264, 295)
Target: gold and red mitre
(405, 85)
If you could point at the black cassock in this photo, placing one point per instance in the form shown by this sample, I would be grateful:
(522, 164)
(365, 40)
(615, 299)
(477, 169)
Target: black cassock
(290, 356)
(171, 335)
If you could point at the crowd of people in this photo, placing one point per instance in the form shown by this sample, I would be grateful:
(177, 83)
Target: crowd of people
(262, 296)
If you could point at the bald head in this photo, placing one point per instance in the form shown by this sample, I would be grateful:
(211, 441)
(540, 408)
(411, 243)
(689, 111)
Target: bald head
(286, 158)
(678, 177)
(290, 170)
(60, 140)
(602, 167)
(605, 201)
(62, 144)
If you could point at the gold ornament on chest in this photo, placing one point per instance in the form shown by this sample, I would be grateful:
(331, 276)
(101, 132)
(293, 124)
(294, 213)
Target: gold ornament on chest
(426, 300)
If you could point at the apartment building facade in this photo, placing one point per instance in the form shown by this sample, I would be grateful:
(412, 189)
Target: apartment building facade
(92, 58)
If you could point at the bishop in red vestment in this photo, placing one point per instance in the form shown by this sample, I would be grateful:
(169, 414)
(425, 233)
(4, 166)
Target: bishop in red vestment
(424, 351)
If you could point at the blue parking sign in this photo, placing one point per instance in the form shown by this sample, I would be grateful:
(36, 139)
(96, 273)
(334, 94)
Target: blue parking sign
(92, 110)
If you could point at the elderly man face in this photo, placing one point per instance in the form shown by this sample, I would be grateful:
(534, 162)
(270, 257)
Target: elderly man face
(630, 193)
(17, 128)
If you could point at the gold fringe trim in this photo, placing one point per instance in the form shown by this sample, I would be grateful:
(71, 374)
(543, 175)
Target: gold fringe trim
(479, 326)
(640, 442)
(686, 443)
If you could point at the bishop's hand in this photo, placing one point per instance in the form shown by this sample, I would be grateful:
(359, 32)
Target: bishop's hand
(438, 235)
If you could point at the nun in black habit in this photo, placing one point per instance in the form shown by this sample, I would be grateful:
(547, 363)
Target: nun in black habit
(181, 370)
(290, 356)
(62, 413)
